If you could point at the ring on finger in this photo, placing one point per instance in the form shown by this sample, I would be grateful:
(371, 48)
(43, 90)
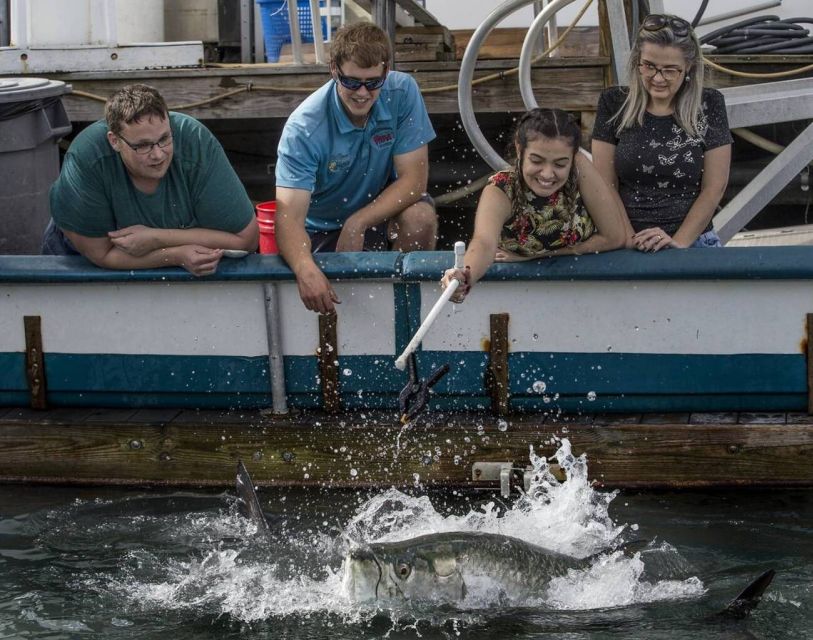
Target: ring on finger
(658, 238)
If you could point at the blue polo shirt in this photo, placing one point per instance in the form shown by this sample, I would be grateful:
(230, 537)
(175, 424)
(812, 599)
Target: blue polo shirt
(343, 166)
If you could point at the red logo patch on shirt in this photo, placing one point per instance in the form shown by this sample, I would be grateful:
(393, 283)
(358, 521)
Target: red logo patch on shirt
(383, 139)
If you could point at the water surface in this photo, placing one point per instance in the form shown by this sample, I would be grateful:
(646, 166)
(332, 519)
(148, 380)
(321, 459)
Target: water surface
(116, 563)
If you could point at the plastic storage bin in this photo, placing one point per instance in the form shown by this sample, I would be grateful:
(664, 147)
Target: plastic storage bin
(276, 25)
(32, 120)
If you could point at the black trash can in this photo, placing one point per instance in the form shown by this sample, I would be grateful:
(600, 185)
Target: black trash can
(32, 120)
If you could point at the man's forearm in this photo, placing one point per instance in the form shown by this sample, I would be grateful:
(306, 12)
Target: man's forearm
(393, 200)
(210, 238)
(117, 259)
(294, 246)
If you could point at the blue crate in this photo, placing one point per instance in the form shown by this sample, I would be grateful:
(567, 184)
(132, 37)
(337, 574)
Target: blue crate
(276, 25)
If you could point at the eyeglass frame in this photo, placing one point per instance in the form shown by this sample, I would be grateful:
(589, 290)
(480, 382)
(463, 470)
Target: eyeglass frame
(680, 27)
(148, 145)
(355, 84)
(649, 65)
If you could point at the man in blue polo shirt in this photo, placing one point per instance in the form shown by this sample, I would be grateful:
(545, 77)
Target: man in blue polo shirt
(353, 164)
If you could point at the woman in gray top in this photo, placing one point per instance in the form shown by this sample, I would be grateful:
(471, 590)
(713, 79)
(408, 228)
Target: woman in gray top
(663, 142)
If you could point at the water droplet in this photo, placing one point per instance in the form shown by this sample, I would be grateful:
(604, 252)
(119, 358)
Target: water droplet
(353, 472)
(502, 425)
(347, 372)
(539, 386)
(591, 395)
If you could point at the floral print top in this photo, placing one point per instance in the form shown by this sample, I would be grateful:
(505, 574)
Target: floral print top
(544, 223)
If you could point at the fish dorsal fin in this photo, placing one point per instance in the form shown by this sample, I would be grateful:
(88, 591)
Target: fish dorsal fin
(248, 501)
(744, 603)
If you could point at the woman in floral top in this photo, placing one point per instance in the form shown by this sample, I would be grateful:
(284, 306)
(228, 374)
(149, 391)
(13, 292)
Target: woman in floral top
(552, 202)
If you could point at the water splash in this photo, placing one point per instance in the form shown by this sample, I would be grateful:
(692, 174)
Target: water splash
(300, 573)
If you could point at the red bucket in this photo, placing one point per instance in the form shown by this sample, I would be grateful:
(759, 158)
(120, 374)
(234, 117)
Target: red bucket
(266, 213)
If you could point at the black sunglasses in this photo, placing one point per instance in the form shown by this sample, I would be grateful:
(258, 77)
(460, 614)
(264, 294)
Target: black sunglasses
(355, 84)
(657, 21)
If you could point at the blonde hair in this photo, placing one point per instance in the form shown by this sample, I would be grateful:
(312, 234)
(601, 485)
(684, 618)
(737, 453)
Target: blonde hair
(689, 96)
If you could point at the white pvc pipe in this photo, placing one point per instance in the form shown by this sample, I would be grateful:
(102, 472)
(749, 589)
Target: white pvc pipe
(528, 51)
(466, 75)
(401, 361)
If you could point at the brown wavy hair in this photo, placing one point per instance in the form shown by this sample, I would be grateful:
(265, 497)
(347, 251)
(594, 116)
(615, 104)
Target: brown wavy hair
(543, 123)
(363, 43)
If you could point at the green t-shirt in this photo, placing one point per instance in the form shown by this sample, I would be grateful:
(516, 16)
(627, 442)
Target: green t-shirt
(94, 193)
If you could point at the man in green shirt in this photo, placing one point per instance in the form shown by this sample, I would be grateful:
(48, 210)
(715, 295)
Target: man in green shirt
(148, 188)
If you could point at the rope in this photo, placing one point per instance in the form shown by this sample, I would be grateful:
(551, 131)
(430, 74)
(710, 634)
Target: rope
(745, 74)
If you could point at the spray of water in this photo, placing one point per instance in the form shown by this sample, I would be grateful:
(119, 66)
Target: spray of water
(294, 574)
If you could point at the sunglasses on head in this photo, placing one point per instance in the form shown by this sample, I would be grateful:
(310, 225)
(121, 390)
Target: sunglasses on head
(354, 84)
(657, 21)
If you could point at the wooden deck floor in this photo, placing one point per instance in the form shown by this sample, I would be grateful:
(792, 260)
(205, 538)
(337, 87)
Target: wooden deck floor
(172, 447)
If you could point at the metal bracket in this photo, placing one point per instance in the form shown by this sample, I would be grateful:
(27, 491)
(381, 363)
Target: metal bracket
(494, 472)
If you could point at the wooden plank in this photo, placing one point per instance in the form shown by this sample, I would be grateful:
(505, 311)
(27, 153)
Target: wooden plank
(606, 419)
(666, 418)
(153, 416)
(748, 417)
(809, 351)
(329, 362)
(504, 43)
(277, 90)
(605, 47)
(35, 362)
(713, 418)
(498, 383)
(343, 452)
(110, 415)
(439, 35)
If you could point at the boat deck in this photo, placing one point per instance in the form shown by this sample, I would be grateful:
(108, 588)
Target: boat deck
(167, 447)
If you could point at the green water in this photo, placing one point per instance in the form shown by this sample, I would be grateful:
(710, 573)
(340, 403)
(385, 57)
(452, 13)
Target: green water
(101, 563)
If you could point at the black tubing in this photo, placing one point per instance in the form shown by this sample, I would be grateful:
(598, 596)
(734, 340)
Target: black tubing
(700, 11)
(763, 34)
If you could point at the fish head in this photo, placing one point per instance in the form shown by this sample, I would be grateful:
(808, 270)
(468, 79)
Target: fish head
(362, 575)
(397, 572)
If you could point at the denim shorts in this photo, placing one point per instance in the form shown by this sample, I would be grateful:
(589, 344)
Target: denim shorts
(706, 240)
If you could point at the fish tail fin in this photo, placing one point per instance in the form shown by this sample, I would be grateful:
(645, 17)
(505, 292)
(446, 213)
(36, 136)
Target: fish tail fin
(744, 603)
(248, 502)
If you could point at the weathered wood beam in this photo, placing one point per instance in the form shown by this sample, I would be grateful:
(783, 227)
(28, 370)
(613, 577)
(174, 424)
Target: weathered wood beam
(34, 362)
(274, 91)
(498, 363)
(201, 448)
(809, 339)
(329, 362)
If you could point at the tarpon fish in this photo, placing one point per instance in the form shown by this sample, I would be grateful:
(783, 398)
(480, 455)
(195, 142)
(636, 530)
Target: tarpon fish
(439, 567)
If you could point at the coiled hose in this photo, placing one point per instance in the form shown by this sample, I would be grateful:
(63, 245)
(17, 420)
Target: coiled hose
(763, 34)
